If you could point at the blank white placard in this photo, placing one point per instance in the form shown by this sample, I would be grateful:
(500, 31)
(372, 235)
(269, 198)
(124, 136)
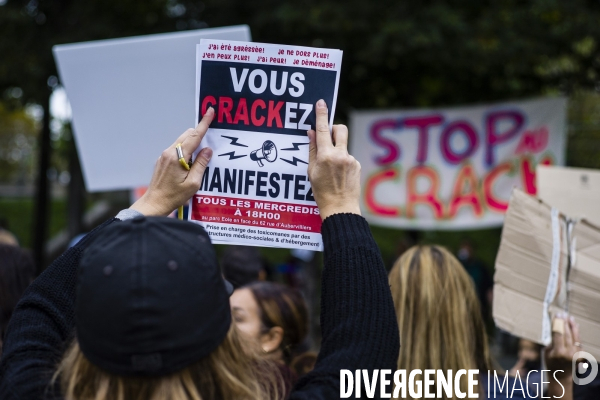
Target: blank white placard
(131, 98)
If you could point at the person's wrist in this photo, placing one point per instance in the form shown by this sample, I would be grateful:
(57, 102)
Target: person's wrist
(561, 386)
(149, 208)
(566, 381)
(564, 376)
(561, 367)
(344, 208)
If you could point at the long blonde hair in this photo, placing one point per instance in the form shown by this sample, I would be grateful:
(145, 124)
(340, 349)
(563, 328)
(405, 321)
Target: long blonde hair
(229, 372)
(438, 313)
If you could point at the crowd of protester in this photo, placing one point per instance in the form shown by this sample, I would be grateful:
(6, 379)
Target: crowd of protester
(140, 308)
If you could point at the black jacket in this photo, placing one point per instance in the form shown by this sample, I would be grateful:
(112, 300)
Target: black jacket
(358, 321)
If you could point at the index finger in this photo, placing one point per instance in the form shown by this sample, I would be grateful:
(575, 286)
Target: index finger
(192, 140)
(323, 136)
(575, 330)
(568, 335)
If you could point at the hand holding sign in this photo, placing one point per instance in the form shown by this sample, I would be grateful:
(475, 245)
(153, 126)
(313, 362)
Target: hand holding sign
(334, 174)
(559, 355)
(256, 190)
(172, 185)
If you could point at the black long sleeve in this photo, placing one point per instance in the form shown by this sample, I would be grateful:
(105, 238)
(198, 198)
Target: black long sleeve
(358, 322)
(357, 317)
(40, 327)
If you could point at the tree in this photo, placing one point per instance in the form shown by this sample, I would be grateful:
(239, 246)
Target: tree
(29, 29)
(435, 52)
(410, 53)
(17, 143)
(427, 53)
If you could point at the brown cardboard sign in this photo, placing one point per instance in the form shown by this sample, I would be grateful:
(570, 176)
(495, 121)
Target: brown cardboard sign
(547, 263)
(574, 191)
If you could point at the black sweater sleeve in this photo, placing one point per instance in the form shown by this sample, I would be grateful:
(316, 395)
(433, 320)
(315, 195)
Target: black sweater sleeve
(357, 317)
(358, 322)
(40, 327)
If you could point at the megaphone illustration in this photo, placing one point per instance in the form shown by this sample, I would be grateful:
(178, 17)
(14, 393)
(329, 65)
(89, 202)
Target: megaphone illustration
(268, 152)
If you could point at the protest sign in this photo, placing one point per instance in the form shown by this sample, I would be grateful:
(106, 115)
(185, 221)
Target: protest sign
(574, 191)
(129, 97)
(453, 168)
(255, 190)
(547, 263)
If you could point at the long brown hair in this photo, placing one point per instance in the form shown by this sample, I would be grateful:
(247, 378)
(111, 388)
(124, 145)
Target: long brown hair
(280, 305)
(438, 313)
(228, 373)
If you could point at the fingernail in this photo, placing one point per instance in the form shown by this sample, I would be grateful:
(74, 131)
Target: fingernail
(207, 153)
(321, 104)
(210, 111)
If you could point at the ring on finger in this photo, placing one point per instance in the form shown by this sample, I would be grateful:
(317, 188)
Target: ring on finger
(577, 344)
(181, 158)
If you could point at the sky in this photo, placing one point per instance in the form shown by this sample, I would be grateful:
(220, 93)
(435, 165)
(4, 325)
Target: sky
(59, 105)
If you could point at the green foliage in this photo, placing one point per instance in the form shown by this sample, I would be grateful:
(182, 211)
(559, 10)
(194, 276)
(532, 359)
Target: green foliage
(17, 214)
(396, 53)
(409, 53)
(29, 29)
(583, 149)
(18, 132)
(435, 52)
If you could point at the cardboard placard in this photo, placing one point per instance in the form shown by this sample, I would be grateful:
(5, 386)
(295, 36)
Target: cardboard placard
(547, 263)
(574, 191)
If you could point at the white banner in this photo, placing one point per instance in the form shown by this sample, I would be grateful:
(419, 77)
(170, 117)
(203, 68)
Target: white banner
(453, 168)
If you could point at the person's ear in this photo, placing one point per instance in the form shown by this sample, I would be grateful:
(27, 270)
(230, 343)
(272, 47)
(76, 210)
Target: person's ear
(271, 340)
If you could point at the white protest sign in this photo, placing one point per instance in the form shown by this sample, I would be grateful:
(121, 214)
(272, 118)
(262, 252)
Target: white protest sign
(453, 168)
(130, 99)
(255, 190)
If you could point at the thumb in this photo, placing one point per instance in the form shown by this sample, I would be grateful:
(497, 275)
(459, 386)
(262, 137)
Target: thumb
(199, 166)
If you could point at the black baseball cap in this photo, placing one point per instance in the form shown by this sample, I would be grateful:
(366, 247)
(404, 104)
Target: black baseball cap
(151, 299)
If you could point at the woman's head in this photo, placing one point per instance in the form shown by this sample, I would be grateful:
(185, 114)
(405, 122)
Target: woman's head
(153, 320)
(272, 316)
(242, 265)
(438, 312)
(151, 299)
